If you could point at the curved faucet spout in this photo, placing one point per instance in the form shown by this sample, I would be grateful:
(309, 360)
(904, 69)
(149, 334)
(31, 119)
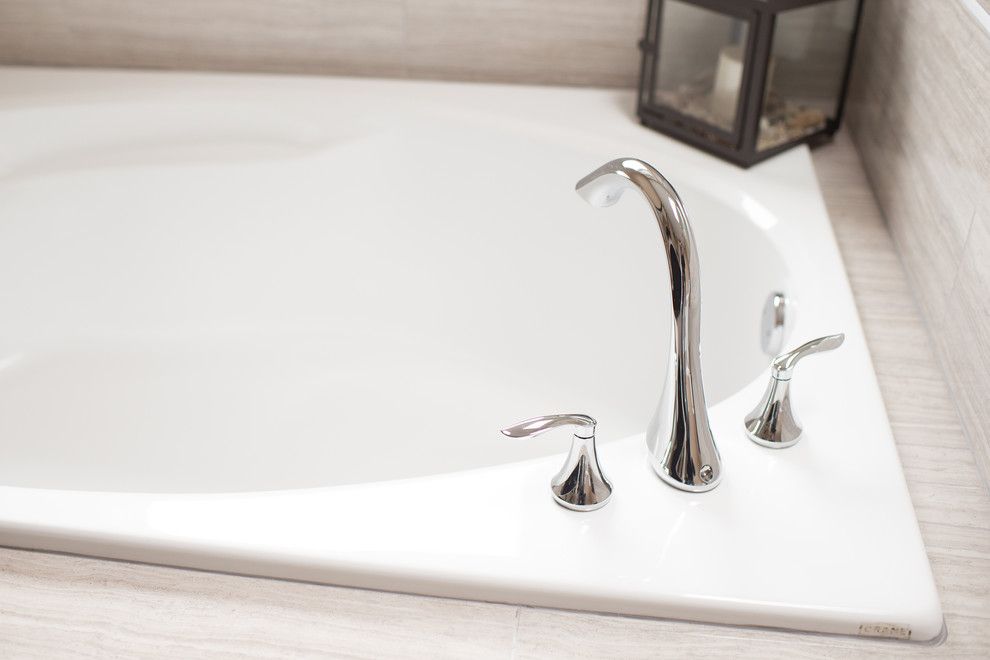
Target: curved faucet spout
(682, 449)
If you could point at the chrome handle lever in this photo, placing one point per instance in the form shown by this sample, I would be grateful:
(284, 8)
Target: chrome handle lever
(772, 422)
(538, 425)
(783, 365)
(580, 485)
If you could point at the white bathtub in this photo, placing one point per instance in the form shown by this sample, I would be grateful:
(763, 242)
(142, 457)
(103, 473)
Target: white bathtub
(272, 325)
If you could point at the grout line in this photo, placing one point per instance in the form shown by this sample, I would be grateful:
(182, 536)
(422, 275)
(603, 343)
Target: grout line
(980, 456)
(962, 254)
(515, 633)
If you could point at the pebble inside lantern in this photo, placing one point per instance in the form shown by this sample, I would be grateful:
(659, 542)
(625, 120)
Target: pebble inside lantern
(747, 79)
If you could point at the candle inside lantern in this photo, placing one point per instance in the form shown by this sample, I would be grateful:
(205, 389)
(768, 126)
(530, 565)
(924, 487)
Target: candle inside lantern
(728, 82)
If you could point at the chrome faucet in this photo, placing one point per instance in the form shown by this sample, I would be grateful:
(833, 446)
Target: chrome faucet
(772, 423)
(681, 448)
(580, 485)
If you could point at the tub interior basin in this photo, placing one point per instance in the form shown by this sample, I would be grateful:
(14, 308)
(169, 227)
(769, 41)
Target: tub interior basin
(277, 304)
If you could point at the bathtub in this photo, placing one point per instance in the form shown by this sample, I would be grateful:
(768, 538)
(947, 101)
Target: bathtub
(272, 325)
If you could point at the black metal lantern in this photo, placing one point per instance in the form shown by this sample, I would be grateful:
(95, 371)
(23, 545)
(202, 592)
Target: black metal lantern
(747, 79)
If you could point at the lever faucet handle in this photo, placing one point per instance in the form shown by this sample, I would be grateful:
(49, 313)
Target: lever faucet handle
(580, 485)
(538, 425)
(772, 422)
(782, 366)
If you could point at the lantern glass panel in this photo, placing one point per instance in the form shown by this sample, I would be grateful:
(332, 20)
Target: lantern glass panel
(700, 63)
(806, 71)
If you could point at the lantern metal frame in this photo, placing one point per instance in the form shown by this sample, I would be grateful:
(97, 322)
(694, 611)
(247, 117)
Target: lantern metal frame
(739, 145)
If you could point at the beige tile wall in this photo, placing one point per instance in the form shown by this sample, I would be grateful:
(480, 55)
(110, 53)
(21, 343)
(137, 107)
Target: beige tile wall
(580, 42)
(919, 110)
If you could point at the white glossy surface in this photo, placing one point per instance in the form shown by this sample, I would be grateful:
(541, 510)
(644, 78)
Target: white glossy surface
(299, 288)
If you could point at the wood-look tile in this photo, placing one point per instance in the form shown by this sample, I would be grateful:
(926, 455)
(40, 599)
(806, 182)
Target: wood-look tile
(578, 636)
(553, 41)
(933, 462)
(944, 538)
(919, 108)
(963, 335)
(580, 42)
(58, 606)
(918, 79)
(351, 37)
(948, 493)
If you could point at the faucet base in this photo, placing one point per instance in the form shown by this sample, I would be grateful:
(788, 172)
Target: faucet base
(698, 486)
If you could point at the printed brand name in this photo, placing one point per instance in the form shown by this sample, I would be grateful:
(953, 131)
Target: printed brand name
(885, 630)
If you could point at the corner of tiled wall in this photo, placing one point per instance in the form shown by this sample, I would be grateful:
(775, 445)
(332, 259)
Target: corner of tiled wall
(919, 112)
